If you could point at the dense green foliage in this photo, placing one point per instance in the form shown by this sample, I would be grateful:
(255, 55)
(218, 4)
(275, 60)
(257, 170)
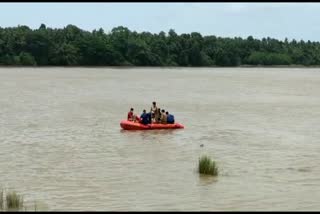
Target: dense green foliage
(207, 166)
(73, 46)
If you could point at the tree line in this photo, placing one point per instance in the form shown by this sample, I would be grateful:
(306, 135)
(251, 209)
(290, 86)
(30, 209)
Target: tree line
(122, 47)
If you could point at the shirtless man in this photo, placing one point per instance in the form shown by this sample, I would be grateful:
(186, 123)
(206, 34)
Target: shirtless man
(154, 112)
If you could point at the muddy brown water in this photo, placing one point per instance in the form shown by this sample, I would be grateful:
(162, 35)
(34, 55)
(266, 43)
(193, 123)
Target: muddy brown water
(61, 143)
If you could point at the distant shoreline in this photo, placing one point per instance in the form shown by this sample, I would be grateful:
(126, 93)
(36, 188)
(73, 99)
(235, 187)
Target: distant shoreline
(123, 49)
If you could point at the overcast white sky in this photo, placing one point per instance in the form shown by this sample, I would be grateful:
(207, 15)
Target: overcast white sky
(276, 20)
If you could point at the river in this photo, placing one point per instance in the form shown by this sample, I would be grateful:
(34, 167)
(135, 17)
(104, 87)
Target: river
(61, 143)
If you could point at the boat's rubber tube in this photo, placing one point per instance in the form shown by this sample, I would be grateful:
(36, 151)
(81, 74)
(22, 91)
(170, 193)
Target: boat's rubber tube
(129, 125)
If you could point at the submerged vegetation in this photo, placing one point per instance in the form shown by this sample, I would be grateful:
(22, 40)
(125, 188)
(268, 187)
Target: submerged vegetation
(1, 200)
(123, 47)
(207, 166)
(12, 201)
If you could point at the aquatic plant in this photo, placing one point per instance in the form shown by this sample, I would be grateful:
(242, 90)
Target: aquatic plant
(207, 166)
(14, 201)
(11, 201)
(1, 200)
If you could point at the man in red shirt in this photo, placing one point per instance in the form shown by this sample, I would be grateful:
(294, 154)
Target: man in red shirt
(132, 116)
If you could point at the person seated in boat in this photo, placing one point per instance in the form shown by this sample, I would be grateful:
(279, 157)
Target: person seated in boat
(149, 118)
(132, 116)
(163, 117)
(158, 116)
(170, 118)
(145, 118)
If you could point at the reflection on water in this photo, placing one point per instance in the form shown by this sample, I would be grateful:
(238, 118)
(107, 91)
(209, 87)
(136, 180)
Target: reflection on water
(61, 143)
(205, 180)
(150, 132)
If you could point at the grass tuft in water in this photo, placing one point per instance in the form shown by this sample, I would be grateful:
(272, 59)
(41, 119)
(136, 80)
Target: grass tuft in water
(1, 200)
(14, 201)
(35, 206)
(207, 166)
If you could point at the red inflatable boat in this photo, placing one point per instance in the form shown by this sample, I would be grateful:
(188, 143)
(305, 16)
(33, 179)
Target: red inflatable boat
(129, 125)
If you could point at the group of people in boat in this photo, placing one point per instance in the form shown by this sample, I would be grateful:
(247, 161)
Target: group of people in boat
(155, 115)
